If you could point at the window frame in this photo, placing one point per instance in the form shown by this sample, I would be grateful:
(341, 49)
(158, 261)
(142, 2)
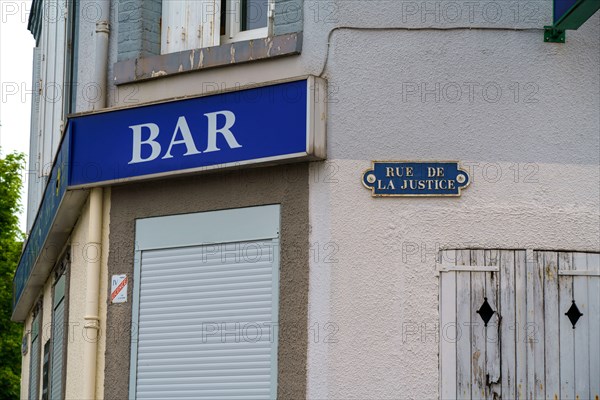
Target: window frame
(233, 32)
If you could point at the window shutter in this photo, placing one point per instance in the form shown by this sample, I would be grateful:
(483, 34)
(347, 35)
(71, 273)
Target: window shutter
(190, 24)
(207, 322)
(34, 165)
(58, 329)
(542, 340)
(34, 359)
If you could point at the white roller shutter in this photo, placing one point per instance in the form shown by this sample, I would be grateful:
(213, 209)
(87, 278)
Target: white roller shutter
(207, 314)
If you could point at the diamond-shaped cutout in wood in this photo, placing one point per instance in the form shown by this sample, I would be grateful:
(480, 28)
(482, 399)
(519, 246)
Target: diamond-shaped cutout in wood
(485, 311)
(574, 314)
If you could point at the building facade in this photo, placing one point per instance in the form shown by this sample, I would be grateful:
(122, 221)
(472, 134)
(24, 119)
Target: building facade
(200, 225)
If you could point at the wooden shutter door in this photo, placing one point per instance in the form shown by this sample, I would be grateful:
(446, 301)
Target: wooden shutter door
(579, 335)
(469, 341)
(547, 314)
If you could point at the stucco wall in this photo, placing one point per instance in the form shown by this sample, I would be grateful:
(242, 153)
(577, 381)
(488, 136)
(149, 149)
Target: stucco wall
(535, 170)
(533, 152)
(25, 360)
(81, 251)
(76, 303)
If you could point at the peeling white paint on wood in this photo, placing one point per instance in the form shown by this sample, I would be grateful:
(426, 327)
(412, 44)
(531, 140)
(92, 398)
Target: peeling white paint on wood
(190, 24)
(529, 348)
(567, 336)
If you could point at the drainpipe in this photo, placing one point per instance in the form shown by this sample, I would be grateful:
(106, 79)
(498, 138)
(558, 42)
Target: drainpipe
(93, 260)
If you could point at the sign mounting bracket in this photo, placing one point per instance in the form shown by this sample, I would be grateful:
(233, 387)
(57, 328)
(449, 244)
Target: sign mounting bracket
(569, 18)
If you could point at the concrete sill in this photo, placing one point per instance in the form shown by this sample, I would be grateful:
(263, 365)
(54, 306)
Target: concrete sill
(153, 67)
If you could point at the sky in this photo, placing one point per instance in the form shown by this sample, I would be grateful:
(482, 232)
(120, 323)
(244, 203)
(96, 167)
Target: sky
(16, 52)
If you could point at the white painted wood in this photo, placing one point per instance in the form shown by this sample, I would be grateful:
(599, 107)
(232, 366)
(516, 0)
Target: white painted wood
(492, 332)
(190, 24)
(593, 264)
(579, 273)
(539, 354)
(448, 331)
(581, 341)
(551, 332)
(521, 323)
(33, 192)
(463, 319)
(53, 79)
(479, 268)
(508, 324)
(531, 329)
(539, 367)
(566, 334)
(478, 345)
(59, 56)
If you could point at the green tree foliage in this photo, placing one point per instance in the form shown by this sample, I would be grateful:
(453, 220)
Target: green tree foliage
(11, 167)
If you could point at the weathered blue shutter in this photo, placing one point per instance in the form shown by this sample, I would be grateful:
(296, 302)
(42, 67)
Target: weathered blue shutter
(34, 359)
(58, 335)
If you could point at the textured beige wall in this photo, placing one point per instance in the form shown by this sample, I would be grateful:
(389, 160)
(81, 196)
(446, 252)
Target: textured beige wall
(76, 301)
(383, 280)
(25, 359)
(104, 289)
(77, 292)
(286, 185)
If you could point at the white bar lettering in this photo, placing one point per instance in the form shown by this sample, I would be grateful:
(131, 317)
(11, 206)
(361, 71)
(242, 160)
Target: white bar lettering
(187, 139)
(225, 131)
(136, 156)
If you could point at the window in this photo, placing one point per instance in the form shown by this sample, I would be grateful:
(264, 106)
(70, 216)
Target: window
(193, 24)
(244, 19)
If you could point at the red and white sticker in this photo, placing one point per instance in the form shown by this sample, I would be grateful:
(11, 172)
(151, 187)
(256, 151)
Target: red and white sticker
(118, 292)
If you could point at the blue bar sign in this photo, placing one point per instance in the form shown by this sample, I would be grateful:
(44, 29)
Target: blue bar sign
(415, 178)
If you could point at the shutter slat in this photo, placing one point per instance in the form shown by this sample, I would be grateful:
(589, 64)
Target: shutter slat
(190, 359)
(158, 297)
(58, 335)
(231, 305)
(214, 287)
(241, 299)
(215, 254)
(34, 360)
(187, 296)
(200, 281)
(198, 274)
(158, 371)
(156, 393)
(57, 351)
